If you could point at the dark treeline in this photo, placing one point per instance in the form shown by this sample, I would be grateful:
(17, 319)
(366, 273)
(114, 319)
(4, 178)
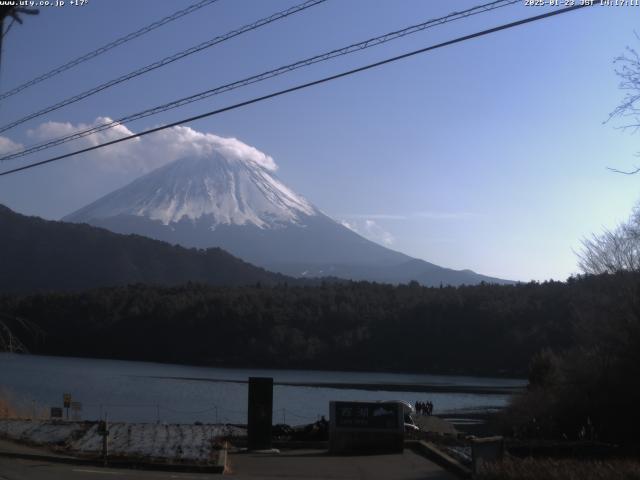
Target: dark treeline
(41, 255)
(590, 390)
(484, 329)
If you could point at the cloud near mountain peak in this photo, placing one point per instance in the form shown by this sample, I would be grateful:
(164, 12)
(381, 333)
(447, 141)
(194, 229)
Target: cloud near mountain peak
(187, 142)
(143, 154)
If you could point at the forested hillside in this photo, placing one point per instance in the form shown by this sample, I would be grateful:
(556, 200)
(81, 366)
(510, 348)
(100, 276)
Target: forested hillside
(36, 254)
(485, 329)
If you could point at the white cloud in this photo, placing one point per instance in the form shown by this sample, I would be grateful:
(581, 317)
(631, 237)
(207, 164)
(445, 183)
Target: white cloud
(185, 141)
(375, 231)
(122, 157)
(443, 215)
(411, 215)
(8, 146)
(367, 224)
(48, 130)
(371, 230)
(344, 223)
(143, 154)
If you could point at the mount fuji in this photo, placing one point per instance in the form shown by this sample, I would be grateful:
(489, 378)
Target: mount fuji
(229, 201)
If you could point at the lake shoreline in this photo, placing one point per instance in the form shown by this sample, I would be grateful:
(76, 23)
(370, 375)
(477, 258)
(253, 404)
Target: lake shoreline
(508, 376)
(389, 387)
(150, 392)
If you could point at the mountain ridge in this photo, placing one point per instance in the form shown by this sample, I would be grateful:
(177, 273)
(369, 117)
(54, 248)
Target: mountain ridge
(242, 207)
(38, 254)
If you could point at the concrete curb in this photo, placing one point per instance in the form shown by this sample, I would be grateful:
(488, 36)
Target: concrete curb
(299, 444)
(218, 467)
(433, 453)
(221, 463)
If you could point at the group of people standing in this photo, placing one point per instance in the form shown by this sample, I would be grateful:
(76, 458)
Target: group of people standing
(424, 408)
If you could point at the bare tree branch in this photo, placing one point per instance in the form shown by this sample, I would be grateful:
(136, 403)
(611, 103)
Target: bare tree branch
(627, 68)
(631, 172)
(613, 250)
(9, 342)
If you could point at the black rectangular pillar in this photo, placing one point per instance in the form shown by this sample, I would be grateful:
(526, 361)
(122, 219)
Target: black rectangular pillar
(260, 413)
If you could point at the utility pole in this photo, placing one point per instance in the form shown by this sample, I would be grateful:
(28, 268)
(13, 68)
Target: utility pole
(13, 12)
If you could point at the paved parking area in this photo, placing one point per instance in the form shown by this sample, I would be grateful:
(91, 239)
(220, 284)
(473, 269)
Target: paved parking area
(16, 469)
(318, 464)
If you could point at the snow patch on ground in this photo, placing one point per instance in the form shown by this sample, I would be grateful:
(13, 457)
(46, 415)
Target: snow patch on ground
(155, 441)
(461, 453)
(53, 433)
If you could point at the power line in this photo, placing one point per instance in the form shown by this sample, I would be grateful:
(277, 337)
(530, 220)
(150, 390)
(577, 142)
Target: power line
(371, 42)
(306, 85)
(167, 60)
(107, 47)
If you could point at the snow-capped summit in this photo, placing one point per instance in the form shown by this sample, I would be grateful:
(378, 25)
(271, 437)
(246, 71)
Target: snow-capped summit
(226, 195)
(220, 188)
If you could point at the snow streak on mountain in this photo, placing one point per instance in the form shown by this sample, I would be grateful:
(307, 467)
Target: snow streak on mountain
(226, 190)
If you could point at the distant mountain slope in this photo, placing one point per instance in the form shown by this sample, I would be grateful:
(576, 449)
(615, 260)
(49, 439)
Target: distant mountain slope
(238, 205)
(36, 254)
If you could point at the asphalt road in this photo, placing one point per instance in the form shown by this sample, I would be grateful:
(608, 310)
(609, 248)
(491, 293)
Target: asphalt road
(12, 469)
(316, 465)
(300, 464)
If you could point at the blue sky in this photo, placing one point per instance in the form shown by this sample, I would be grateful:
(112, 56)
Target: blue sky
(489, 155)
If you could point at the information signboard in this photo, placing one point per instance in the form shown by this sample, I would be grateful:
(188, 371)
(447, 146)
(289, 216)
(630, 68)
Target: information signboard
(66, 399)
(368, 427)
(76, 409)
(367, 415)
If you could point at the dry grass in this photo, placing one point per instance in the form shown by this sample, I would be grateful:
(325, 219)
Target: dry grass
(7, 407)
(11, 407)
(562, 469)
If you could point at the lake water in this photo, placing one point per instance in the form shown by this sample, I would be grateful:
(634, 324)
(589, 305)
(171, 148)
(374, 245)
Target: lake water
(150, 392)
